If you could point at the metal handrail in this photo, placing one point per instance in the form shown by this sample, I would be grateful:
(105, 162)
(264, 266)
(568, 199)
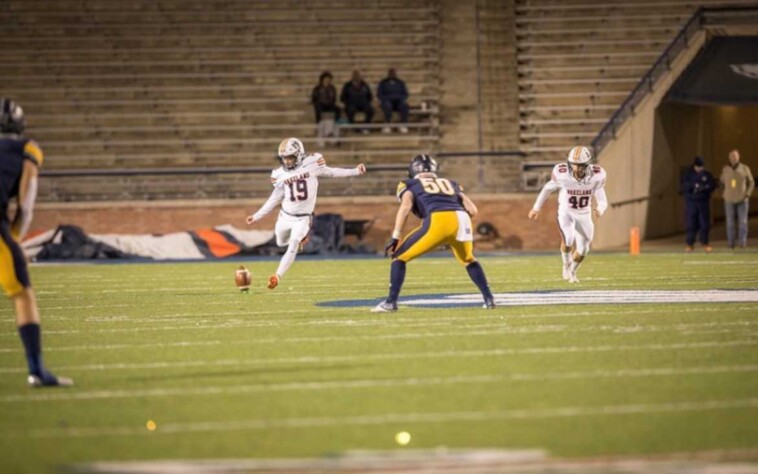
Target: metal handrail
(661, 65)
(78, 172)
(648, 81)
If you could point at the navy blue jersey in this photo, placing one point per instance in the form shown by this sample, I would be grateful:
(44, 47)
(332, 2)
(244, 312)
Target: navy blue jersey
(697, 186)
(432, 195)
(13, 152)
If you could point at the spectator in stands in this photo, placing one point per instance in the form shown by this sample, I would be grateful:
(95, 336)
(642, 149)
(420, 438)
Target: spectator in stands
(324, 97)
(738, 183)
(393, 95)
(697, 185)
(356, 95)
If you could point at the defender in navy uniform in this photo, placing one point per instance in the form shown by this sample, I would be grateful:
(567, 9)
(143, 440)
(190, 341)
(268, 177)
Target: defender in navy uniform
(446, 220)
(19, 160)
(697, 186)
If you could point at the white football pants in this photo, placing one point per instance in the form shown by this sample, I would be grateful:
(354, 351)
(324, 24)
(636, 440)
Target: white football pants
(576, 229)
(290, 231)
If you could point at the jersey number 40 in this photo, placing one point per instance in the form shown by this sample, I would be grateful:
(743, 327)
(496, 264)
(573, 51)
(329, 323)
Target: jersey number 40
(579, 202)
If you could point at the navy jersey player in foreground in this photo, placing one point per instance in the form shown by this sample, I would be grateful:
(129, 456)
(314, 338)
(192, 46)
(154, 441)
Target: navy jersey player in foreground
(19, 160)
(446, 220)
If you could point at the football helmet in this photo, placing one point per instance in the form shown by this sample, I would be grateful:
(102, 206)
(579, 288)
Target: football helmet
(579, 157)
(422, 164)
(11, 117)
(291, 148)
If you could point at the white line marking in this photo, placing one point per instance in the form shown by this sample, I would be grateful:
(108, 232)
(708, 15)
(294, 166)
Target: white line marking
(465, 330)
(395, 418)
(351, 359)
(387, 322)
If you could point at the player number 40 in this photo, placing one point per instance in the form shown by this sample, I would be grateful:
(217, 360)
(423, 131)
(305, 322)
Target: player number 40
(437, 186)
(579, 203)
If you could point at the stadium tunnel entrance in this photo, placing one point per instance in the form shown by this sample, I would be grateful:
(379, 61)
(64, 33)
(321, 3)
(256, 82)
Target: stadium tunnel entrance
(711, 109)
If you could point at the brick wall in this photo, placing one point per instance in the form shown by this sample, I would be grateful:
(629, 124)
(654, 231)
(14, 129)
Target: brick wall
(506, 212)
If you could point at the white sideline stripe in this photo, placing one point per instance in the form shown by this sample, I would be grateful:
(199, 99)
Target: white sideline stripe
(471, 331)
(394, 418)
(387, 321)
(392, 356)
(596, 297)
(373, 383)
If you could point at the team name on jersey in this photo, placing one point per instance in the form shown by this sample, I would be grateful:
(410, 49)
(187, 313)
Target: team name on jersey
(291, 180)
(579, 192)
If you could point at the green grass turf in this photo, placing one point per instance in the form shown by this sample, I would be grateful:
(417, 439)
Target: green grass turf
(272, 374)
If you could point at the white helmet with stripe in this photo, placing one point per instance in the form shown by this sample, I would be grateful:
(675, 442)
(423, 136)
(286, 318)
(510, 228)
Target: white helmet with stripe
(292, 149)
(579, 161)
(579, 155)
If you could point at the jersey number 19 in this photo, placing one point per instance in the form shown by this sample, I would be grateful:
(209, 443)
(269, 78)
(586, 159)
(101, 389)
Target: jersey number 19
(301, 186)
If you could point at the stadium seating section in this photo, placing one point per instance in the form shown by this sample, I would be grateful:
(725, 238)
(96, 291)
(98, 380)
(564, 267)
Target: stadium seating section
(144, 84)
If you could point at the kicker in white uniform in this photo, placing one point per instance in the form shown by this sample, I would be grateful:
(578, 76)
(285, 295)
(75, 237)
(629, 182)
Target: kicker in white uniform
(577, 182)
(295, 188)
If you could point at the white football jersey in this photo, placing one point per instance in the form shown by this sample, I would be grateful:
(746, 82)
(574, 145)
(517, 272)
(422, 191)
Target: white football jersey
(575, 195)
(297, 189)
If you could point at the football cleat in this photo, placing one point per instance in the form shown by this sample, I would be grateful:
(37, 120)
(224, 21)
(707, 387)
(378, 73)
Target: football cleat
(273, 281)
(566, 272)
(489, 303)
(385, 307)
(573, 278)
(49, 380)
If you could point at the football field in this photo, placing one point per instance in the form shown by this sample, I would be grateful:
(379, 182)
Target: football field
(171, 362)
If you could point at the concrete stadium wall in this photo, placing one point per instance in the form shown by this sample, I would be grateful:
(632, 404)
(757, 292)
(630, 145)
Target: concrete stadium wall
(629, 161)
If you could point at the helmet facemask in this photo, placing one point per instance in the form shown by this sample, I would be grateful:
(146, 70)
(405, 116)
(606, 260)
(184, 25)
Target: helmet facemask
(290, 162)
(579, 170)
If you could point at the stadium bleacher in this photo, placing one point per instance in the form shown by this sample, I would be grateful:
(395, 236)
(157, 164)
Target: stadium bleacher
(141, 85)
(579, 59)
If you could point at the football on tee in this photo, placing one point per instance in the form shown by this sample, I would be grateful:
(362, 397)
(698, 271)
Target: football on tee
(242, 278)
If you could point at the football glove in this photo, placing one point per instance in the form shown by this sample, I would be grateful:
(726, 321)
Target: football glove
(391, 247)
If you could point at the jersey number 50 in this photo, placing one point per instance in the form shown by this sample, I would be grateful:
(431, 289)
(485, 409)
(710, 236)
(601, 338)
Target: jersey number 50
(437, 186)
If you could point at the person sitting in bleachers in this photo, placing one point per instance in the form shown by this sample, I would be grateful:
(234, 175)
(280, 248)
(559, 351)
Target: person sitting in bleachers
(356, 95)
(393, 95)
(324, 97)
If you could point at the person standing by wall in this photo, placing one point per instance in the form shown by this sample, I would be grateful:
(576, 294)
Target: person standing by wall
(697, 185)
(738, 183)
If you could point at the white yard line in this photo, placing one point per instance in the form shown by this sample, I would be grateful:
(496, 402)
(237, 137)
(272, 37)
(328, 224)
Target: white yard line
(394, 418)
(393, 320)
(466, 330)
(365, 358)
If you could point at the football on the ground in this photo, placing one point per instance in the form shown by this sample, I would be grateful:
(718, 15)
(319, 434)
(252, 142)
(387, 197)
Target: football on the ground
(242, 278)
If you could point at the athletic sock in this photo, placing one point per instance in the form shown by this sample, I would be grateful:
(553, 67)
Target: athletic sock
(288, 258)
(476, 273)
(31, 338)
(397, 277)
(566, 256)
